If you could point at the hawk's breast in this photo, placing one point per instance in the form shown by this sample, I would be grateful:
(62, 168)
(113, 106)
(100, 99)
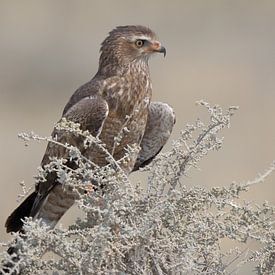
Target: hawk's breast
(128, 101)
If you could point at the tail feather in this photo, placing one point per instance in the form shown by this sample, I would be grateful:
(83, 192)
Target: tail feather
(14, 222)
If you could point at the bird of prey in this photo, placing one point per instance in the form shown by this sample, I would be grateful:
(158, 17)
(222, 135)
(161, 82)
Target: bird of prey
(119, 95)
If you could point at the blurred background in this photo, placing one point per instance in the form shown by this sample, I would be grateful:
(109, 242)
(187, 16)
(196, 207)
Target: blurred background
(217, 50)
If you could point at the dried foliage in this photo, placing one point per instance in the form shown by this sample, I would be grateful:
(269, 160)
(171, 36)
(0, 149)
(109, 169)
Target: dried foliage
(158, 227)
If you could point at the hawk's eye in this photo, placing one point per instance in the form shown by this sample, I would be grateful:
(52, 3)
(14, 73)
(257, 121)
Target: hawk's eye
(139, 43)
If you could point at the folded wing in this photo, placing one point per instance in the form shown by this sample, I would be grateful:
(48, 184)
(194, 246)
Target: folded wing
(90, 113)
(160, 122)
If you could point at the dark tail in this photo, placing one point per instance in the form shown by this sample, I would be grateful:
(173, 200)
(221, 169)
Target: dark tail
(14, 222)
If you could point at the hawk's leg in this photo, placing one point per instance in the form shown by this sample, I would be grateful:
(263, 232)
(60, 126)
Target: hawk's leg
(160, 122)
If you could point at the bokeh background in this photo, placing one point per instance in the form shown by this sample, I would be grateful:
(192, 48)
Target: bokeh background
(217, 50)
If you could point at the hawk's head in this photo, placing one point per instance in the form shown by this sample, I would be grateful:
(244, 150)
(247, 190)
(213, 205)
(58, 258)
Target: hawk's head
(126, 44)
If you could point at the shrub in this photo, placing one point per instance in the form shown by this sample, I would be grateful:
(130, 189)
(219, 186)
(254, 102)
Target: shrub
(158, 227)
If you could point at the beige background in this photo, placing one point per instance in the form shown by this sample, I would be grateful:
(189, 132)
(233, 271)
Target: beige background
(220, 51)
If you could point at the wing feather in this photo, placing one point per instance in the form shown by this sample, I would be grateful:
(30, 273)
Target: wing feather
(90, 112)
(160, 122)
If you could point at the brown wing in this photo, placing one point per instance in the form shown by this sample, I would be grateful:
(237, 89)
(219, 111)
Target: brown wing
(160, 122)
(90, 113)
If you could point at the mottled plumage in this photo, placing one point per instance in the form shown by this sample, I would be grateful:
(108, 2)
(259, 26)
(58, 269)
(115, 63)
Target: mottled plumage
(118, 96)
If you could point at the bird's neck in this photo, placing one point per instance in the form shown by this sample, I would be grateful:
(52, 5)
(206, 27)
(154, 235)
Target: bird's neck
(118, 67)
(139, 68)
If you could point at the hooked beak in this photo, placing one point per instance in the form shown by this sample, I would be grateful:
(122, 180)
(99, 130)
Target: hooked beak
(163, 50)
(156, 47)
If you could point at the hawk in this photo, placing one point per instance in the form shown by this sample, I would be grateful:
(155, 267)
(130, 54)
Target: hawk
(118, 96)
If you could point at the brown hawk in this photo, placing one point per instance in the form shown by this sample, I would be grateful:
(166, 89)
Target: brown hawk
(118, 96)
